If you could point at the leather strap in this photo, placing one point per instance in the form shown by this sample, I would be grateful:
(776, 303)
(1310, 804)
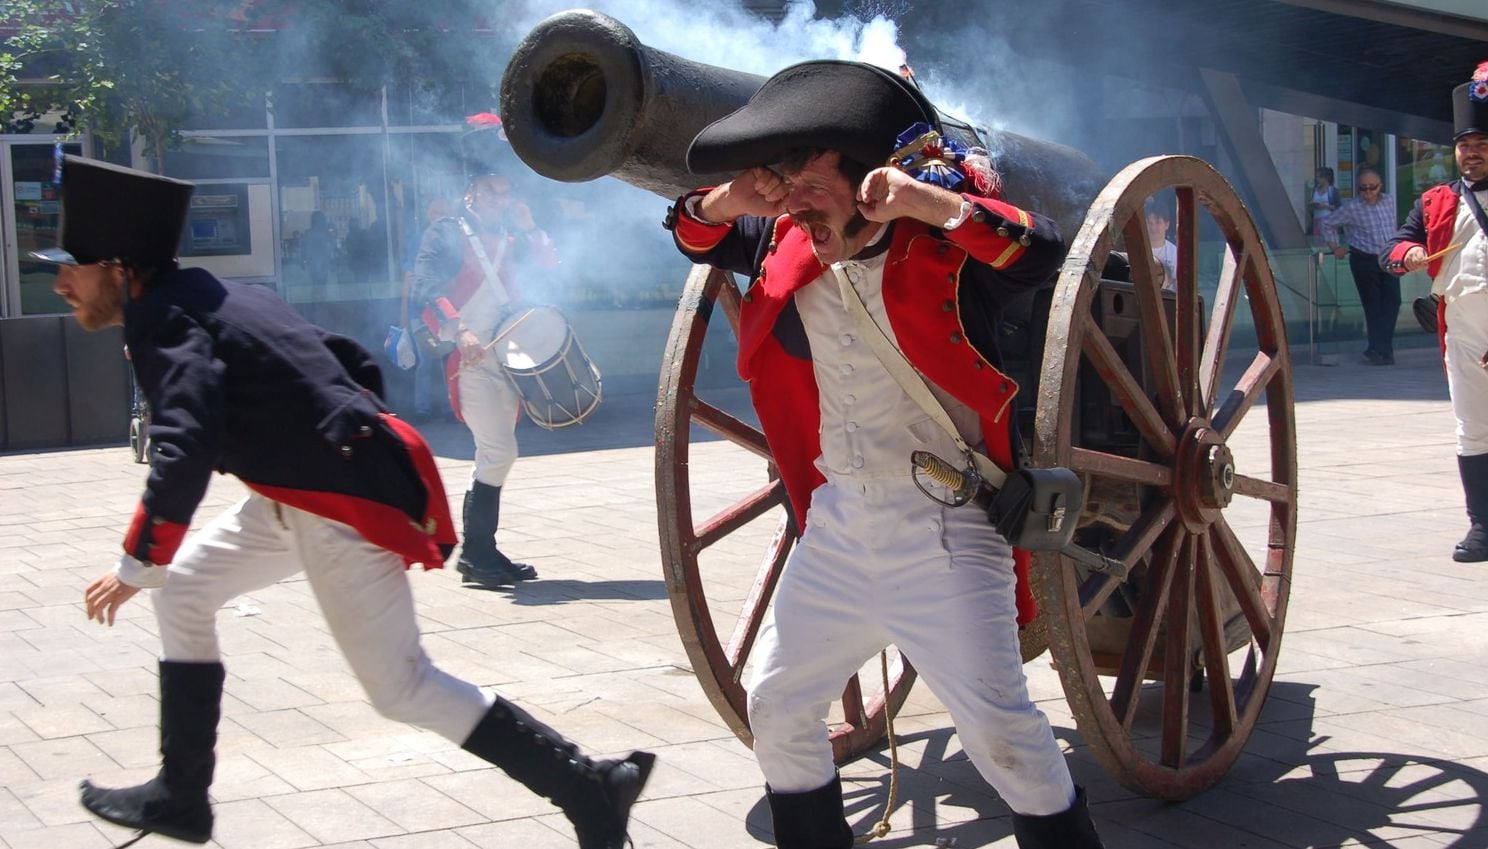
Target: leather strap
(493, 279)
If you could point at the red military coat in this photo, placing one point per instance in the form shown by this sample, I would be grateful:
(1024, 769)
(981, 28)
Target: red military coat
(1429, 225)
(924, 275)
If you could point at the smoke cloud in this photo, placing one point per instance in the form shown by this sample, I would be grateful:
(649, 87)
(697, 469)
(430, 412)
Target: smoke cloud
(963, 69)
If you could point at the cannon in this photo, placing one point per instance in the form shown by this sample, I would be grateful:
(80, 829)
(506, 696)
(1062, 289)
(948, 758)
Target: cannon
(1166, 648)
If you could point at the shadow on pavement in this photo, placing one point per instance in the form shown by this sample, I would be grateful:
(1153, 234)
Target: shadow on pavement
(1289, 791)
(545, 591)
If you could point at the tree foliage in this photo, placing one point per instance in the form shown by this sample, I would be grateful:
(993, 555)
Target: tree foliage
(146, 69)
(129, 68)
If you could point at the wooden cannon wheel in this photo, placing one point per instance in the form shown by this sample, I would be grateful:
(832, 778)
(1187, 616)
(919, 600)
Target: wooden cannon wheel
(1210, 488)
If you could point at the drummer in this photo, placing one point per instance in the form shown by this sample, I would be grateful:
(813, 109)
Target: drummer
(469, 268)
(878, 561)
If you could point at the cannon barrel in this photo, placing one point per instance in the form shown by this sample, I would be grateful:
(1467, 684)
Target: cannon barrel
(583, 98)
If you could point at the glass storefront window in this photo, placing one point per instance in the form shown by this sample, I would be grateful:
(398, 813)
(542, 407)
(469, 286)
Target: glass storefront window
(333, 218)
(219, 157)
(305, 105)
(1420, 165)
(37, 216)
(423, 171)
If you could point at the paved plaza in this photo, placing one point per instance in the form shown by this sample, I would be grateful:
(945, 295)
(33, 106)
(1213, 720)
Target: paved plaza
(1375, 732)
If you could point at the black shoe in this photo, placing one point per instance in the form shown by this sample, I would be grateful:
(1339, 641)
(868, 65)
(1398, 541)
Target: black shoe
(494, 573)
(1069, 829)
(1375, 358)
(601, 821)
(596, 796)
(152, 808)
(1474, 546)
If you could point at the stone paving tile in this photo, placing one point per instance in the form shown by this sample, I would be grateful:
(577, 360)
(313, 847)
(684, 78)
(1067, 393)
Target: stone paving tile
(1377, 709)
(82, 835)
(253, 824)
(414, 805)
(332, 815)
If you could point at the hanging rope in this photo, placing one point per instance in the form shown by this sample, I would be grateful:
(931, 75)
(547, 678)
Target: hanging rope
(881, 827)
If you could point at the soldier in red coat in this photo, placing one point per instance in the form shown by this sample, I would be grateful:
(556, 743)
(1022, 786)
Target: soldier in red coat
(833, 243)
(1447, 234)
(468, 273)
(340, 489)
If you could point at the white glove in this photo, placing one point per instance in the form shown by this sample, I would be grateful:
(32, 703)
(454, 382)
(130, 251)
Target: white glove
(139, 574)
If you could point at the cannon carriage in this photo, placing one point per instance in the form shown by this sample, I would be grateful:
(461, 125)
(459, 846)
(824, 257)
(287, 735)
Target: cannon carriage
(1166, 640)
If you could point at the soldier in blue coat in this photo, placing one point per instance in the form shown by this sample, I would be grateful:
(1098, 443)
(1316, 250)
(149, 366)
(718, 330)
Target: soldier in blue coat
(339, 489)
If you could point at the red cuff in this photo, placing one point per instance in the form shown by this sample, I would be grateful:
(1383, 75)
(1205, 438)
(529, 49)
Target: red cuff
(153, 539)
(980, 236)
(694, 236)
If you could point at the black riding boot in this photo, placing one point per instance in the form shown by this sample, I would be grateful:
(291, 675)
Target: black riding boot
(1071, 829)
(595, 795)
(174, 802)
(810, 820)
(1474, 546)
(480, 562)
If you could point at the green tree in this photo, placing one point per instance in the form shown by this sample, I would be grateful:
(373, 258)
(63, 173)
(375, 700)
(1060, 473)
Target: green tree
(126, 69)
(130, 68)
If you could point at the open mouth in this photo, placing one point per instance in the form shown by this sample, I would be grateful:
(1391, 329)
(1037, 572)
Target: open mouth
(819, 232)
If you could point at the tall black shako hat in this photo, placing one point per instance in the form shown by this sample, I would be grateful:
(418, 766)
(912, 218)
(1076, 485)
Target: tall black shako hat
(111, 212)
(852, 107)
(1470, 104)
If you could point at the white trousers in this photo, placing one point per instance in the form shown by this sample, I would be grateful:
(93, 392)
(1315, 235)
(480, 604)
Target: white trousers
(880, 563)
(489, 405)
(1467, 342)
(363, 591)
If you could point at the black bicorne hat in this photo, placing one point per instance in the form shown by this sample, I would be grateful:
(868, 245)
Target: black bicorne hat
(1470, 104)
(852, 107)
(111, 212)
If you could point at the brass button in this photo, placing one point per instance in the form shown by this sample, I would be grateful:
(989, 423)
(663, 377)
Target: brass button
(948, 306)
(942, 248)
(955, 339)
(346, 451)
(977, 365)
(1002, 387)
(1024, 240)
(748, 298)
(979, 216)
(951, 278)
(1003, 232)
(365, 430)
(158, 520)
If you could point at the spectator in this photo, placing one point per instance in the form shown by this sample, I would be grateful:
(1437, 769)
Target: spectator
(1325, 200)
(430, 400)
(318, 250)
(1163, 249)
(1369, 222)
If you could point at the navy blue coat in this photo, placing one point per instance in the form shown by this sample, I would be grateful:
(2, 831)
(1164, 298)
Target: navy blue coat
(239, 383)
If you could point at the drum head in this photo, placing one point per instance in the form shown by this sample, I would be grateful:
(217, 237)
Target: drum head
(531, 338)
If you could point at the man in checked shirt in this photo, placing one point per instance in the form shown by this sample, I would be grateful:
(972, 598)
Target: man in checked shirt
(1369, 222)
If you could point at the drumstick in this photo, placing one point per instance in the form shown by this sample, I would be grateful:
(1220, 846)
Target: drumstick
(502, 335)
(1444, 251)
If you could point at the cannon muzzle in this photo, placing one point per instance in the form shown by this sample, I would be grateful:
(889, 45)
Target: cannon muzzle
(583, 98)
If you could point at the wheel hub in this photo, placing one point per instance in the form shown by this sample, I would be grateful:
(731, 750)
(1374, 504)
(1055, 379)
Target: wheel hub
(1204, 478)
